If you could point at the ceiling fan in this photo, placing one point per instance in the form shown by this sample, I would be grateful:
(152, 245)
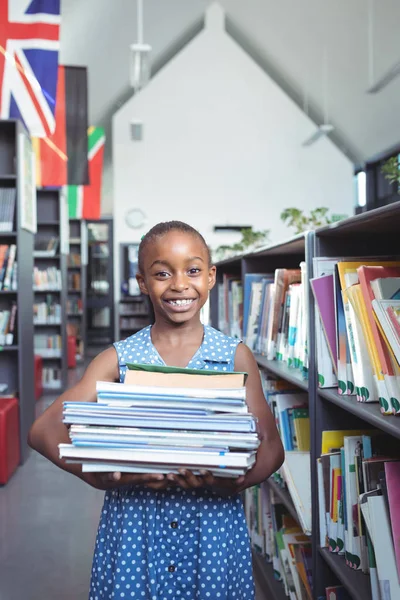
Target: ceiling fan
(321, 131)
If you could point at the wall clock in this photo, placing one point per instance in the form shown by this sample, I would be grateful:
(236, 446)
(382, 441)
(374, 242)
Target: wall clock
(135, 218)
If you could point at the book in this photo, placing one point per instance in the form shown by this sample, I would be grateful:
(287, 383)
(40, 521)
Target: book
(138, 374)
(392, 472)
(323, 290)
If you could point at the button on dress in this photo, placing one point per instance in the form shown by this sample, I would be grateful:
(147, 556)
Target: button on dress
(172, 544)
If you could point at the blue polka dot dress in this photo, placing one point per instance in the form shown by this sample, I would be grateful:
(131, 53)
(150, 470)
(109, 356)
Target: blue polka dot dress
(172, 544)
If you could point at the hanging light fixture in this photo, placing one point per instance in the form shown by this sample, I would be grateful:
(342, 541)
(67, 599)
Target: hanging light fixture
(391, 74)
(326, 128)
(140, 67)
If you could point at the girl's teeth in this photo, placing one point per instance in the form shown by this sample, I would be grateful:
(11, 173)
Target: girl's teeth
(180, 302)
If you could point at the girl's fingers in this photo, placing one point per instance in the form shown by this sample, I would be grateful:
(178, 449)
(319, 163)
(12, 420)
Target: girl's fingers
(191, 479)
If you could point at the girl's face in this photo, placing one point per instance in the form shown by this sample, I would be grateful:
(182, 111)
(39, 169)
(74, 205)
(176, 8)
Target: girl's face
(177, 276)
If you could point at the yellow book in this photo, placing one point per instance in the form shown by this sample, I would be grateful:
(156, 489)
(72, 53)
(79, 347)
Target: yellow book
(332, 440)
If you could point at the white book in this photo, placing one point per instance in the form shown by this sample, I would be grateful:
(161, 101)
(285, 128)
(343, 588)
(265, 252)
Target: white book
(383, 546)
(101, 467)
(159, 457)
(296, 472)
(126, 389)
(352, 541)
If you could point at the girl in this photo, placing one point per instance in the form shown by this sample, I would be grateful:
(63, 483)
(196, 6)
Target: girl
(165, 537)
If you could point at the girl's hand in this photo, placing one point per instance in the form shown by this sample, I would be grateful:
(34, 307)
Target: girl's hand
(221, 485)
(108, 481)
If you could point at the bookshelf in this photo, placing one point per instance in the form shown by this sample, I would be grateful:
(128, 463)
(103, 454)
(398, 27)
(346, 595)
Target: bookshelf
(77, 276)
(372, 233)
(134, 309)
(16, 360)
(100, 284)
(50, 322)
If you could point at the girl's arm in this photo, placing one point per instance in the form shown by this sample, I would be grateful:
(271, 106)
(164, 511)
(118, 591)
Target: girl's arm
(270, 454)
(49, 430)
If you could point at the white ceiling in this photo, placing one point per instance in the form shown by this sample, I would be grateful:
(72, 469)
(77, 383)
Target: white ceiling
(288, 36)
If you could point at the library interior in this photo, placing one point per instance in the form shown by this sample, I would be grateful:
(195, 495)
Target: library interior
(139, 256)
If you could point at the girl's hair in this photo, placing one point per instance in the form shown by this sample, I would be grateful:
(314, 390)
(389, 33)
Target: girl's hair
(166, 227)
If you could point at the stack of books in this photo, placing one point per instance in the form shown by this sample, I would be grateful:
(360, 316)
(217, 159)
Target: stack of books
(358, 328)
(163, 419)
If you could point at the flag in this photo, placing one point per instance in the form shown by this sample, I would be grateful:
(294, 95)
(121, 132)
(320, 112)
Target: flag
(61, 158)
(29, 46)
(84, 201)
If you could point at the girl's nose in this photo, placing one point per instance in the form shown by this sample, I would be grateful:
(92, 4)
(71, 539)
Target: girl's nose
(179, 283)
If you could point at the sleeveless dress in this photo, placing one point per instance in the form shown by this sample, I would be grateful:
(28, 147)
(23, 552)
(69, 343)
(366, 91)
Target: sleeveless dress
(172, 544)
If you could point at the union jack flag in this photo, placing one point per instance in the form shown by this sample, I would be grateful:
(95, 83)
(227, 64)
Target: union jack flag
(29, 45)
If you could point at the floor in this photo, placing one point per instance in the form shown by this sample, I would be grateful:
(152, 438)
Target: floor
(48, 522)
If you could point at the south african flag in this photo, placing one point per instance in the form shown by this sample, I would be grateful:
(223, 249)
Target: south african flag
(84, 200)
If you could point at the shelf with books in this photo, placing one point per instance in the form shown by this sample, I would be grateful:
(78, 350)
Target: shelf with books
(134, 309)
(77, 286)
(281, 370)
(50, 258)
(17, 191)
(356, 583)
(272, 589)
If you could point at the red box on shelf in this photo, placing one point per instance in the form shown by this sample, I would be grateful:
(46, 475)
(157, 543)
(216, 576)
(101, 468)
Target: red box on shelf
(9, 438)
(38, 366)
(71, 343)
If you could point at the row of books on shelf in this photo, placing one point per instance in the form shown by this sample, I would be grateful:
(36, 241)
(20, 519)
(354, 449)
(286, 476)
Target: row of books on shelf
(134, 309)
(74, 260)
(74, 281)
(269, 311)
(51, 378)
(48, 346)
(8, 197)
(358, 328)
(8, 325)
(358, 494)
(162, 419)
(48, 312)
(47, 279)
(74, 306)
(46, 245)
(8, 267)
(134, 323)
(276, 535)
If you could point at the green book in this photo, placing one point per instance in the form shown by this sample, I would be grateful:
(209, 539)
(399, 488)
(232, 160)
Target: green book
(165, 369)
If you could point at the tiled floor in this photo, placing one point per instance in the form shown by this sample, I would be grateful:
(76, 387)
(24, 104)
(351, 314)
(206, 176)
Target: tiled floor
(48, 522)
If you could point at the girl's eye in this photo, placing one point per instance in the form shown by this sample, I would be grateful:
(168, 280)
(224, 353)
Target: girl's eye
(194, 271)
(162, 274)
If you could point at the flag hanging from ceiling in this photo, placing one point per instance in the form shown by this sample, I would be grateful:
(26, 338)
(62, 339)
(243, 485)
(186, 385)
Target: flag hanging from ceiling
(84, 201)
(29, 46)
(61, 158)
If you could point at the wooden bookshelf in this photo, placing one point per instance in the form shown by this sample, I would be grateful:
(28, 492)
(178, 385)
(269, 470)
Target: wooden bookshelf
(16, 360)
(77, 322)
(52, 223)
(372, 233)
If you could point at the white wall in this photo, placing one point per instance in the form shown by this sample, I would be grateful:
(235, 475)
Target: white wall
(221, 145)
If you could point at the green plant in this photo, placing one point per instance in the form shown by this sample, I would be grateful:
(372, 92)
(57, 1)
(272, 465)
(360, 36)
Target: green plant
(318, 217)
(250, 241)
(391, 170)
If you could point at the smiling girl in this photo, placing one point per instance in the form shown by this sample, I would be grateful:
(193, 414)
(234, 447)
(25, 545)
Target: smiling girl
(170, 536)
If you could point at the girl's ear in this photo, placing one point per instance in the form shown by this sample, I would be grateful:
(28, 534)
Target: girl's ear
(212, 274)
(142, 284)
